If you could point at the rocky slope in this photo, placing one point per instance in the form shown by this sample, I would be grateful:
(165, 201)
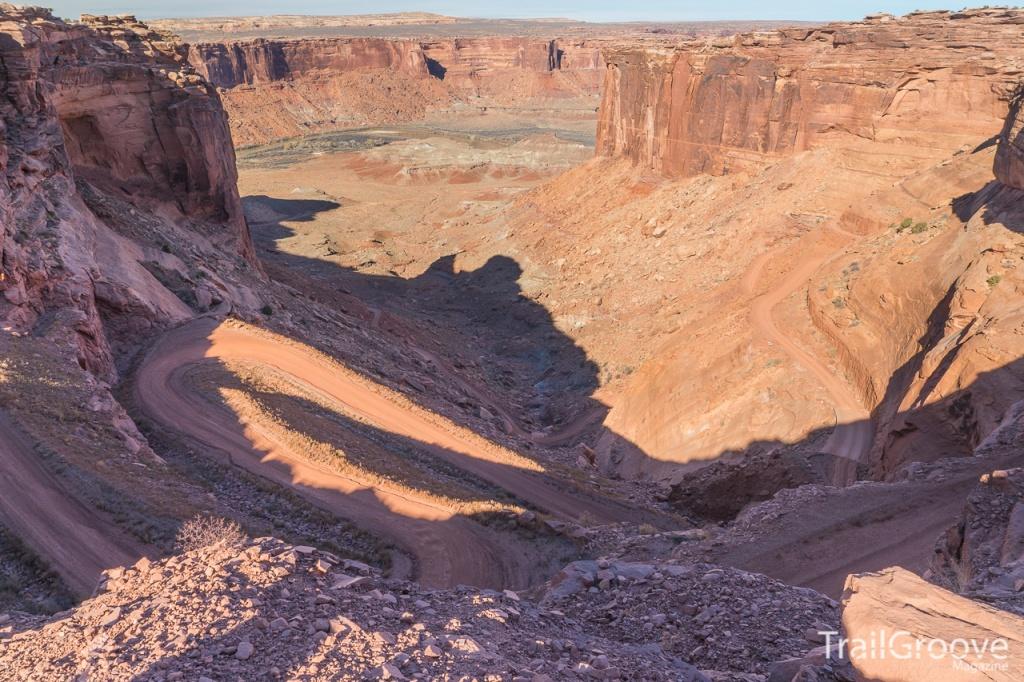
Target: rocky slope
(271, 610)
(284, 88)
(120, 217)
(782, 110)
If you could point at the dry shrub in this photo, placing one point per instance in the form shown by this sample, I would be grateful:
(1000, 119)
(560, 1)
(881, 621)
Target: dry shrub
(206, 531)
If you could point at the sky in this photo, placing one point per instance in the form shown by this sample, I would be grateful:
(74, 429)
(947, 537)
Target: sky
(587, 10)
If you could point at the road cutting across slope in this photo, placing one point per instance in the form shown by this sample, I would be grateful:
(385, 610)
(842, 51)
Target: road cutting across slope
(851, 438)
(450, 549)
(71, 538)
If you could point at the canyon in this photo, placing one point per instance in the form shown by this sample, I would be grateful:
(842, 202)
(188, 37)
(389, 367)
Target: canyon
(284, 88)
(563, 351)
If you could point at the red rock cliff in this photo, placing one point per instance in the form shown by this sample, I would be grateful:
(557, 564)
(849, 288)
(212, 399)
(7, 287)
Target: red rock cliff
(227, 65)
(285, 88)
(109, 145)
(1009, 165)
(937, 79)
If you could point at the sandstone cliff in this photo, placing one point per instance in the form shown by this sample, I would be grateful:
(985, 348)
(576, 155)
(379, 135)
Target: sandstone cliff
(937, 80)
(119, 217)
(108, 106)
(771, 303)
(283, 88)
(227, 65)
(1009, 166)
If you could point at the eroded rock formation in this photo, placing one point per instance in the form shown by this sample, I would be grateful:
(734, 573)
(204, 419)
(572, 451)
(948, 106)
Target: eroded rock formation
(936, 79)
(904, 109)
(282, 88)
(111, 106)
(256, 62)
(119, 217)
(898, 627)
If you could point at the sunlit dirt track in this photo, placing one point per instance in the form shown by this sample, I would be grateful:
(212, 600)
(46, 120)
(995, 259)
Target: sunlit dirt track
(449, 549)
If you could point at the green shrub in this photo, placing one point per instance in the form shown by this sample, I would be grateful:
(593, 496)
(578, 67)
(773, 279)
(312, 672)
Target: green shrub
(994, 280)
(918, 228)
(905, 223)
(267, 310)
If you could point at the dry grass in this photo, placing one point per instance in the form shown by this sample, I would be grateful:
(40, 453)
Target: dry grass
(200, 532)
(358, 458)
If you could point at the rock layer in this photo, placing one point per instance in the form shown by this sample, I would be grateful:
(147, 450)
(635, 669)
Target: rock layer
(901, 628)
(109, 105)
(934, 79)
(284, 88)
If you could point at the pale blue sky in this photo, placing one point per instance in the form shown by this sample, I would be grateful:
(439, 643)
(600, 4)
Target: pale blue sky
(589, 10)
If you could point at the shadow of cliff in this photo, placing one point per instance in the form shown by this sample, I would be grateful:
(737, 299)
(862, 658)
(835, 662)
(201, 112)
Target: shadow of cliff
(478, 320)
(548, 380)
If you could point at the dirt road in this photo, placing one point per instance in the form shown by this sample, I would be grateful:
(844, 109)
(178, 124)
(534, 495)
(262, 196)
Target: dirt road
(449, 549)
(856, 529)
(71, 538)
(851, 438)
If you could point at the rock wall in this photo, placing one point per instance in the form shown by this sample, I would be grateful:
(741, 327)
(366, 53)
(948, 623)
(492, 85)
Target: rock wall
(1009, 165)
(92, 114)
(936, 79)
(284, 88)
(227, 65)
(840, 135)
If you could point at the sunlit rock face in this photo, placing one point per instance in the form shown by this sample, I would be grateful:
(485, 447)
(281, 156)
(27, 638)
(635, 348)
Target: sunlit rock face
(284, 88)
(939, 79)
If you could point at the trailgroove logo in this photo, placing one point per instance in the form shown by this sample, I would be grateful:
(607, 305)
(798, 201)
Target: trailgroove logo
(978, 655)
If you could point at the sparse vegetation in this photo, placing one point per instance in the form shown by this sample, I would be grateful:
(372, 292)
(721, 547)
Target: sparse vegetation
(918, 228)
(206, 531)
(905, 224)
(267, 310)
(26, 583)
(994, 280)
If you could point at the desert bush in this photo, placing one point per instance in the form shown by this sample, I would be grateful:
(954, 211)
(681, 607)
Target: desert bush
(994, 280)
(206, 531)
(267, 310)
(918, 228)
(905, 223)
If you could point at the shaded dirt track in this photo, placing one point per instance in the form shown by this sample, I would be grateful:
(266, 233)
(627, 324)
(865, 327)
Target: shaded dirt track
(858, 530)
(76, 542)
(449, 549)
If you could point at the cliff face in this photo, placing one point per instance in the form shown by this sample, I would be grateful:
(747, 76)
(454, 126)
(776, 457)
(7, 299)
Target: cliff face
(875, 286)
(934, 79)
(99, 116)
(283, 88)
(1009, 165)
(227, 65)
(119, 217)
